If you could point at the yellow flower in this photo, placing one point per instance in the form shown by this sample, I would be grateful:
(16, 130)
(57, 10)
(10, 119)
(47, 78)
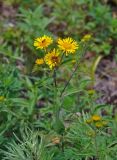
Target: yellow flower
(91, 92)
(42, 42)
(104, 123)
(91, 133)
(39, 61)
(99, 124)
(86, 38)
(52, 59)
(73, 61)
(2, 98)
(89, 121)
(96, 118)
(68, 45)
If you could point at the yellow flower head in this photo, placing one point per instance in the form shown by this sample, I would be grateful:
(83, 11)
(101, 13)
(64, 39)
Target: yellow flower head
(74, 61)
(2, 98)
(91, 92)
(42, 42)
(86, 38)
(39, 61)
(68, 45)
(96, 118)
(89, 121)
(91, 133)
(99, 124)
(104, 123)
(52, 59)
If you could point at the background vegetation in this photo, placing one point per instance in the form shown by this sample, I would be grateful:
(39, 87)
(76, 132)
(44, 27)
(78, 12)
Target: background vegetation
(28, 130)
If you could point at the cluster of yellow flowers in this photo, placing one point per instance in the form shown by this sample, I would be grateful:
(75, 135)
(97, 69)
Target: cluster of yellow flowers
(97, 121)
(52, 58)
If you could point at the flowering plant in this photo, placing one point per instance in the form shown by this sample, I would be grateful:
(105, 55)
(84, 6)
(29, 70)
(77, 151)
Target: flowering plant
(53, 59)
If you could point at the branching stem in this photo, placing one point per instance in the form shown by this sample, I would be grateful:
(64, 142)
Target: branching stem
(67, 83)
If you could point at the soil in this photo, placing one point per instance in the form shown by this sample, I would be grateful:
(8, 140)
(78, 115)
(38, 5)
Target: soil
(106, 81)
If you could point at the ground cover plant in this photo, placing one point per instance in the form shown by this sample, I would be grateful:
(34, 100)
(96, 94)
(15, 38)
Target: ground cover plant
(53, 54)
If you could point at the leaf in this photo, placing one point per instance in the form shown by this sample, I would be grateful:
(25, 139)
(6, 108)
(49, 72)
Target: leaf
(74, 91)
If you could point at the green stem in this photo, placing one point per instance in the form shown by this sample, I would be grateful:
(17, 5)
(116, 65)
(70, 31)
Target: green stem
(67, 83)
(96, 148)
(62, 145)
(76, 67)
(54, 78)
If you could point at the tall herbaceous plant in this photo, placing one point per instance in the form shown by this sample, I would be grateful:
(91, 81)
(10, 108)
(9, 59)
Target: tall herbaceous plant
(58, 54)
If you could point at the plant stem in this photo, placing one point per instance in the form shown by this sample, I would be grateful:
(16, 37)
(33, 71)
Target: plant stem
(96, 148)
(54, 78)
(76, 67)
(67, 83)
(62, 145)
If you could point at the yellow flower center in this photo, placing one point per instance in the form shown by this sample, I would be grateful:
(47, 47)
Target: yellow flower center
(67, 45)
(55, 59)
(43, 43)
(52, 59)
